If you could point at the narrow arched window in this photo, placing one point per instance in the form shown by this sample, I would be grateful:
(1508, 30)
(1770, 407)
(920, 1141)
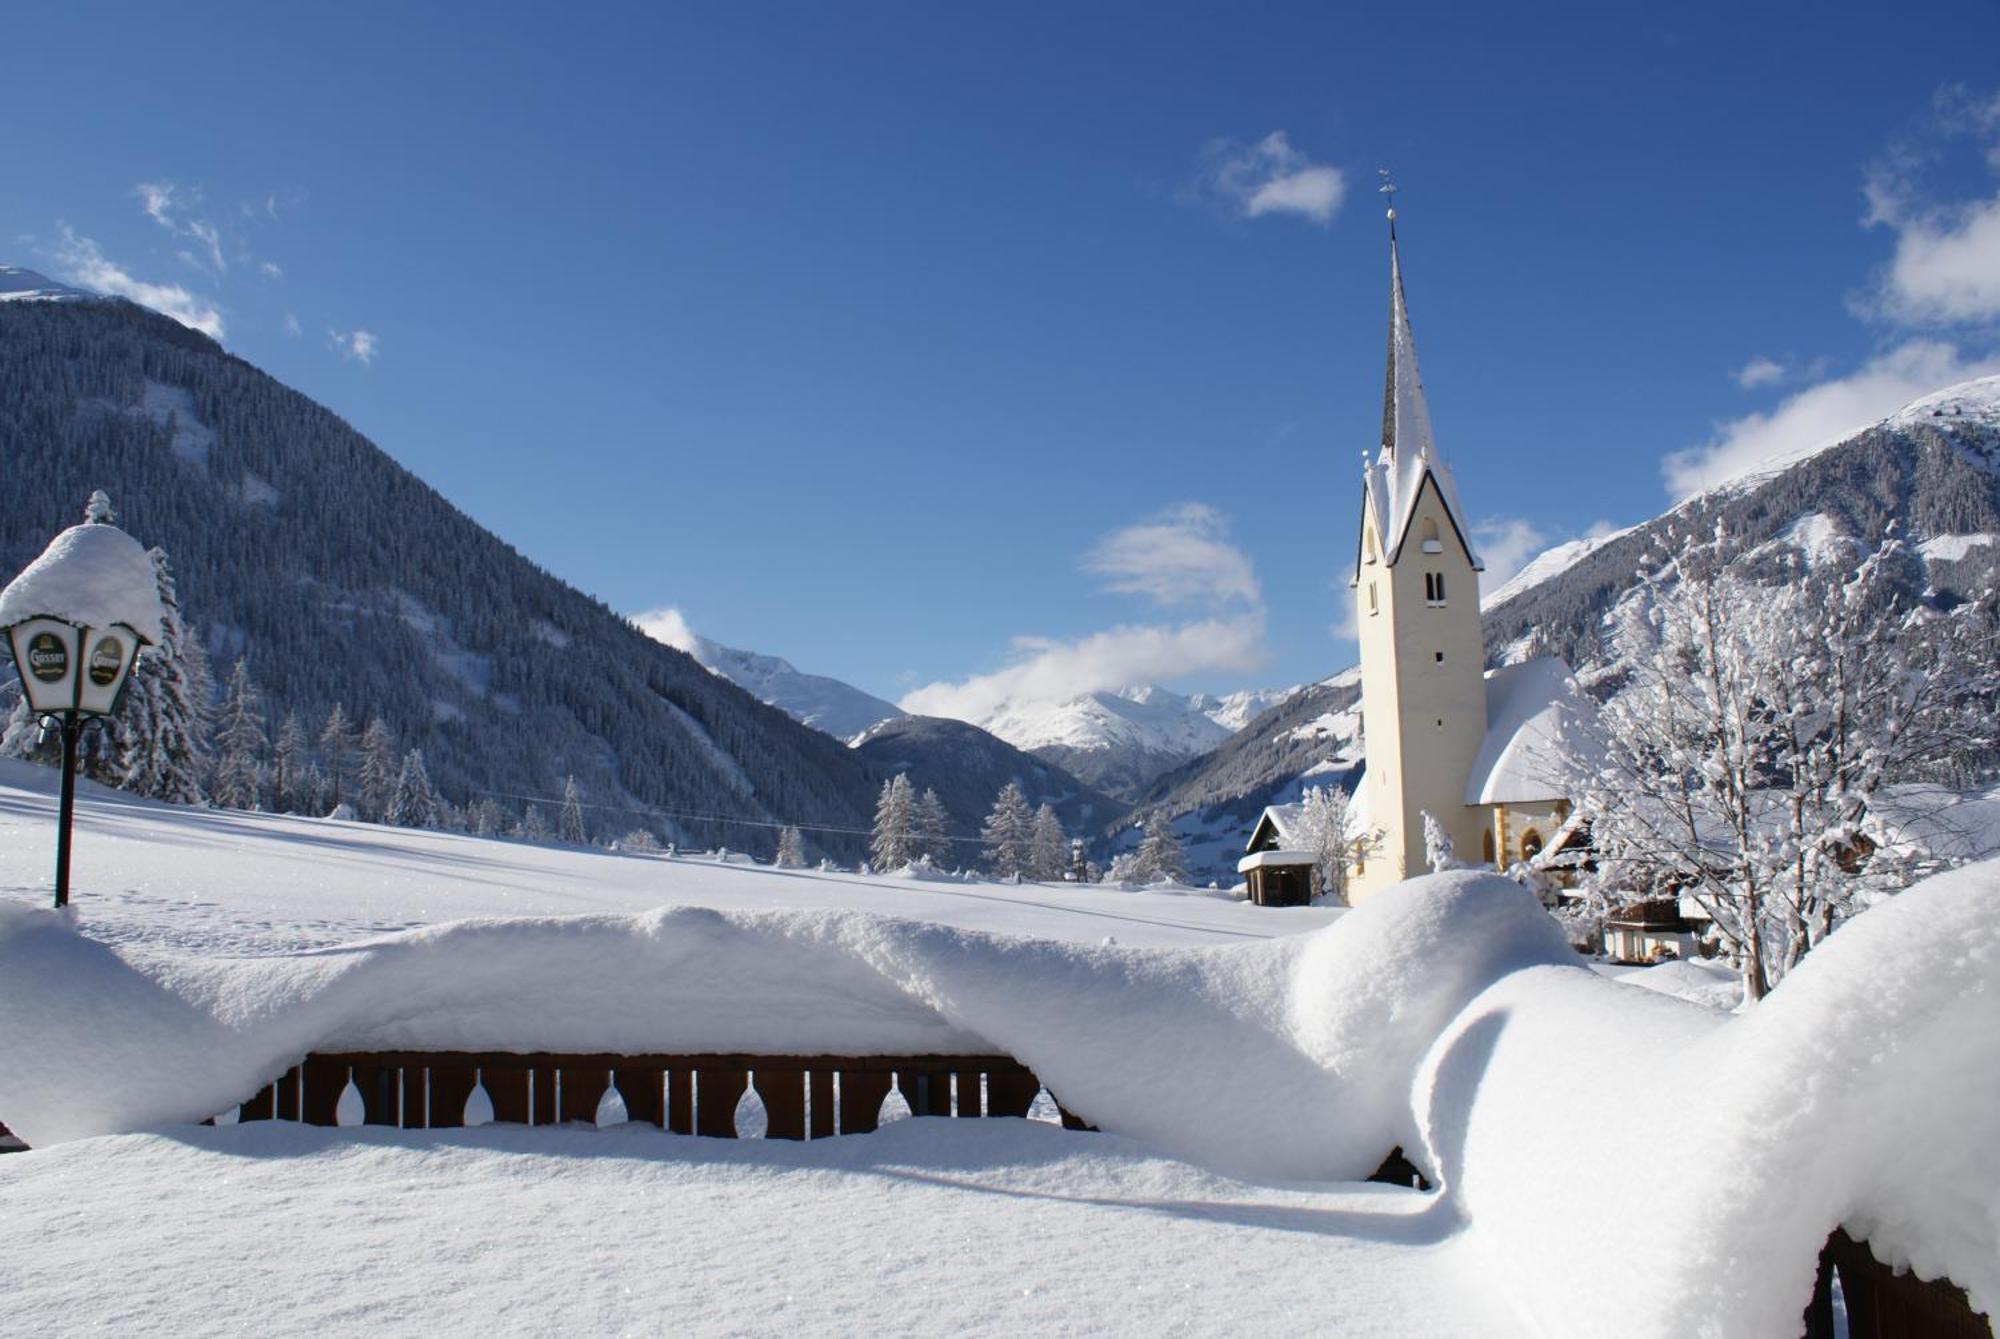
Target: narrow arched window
(1373, 608)
(1486, 846)
(1531, 844)
(1429, 533)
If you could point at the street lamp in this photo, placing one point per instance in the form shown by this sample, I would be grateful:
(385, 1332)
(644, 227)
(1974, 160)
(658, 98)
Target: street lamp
(75, 620)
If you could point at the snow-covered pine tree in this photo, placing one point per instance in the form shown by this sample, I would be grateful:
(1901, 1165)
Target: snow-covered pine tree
(1009, 833)
(240, 744)
(534, 825)
(1437, 845)
(569, 824)
(288, 763)
(414, 803)
(336, 754)
(791, 848)
(164, 729)
(933, 832)
(1048, 847)
(1159, 855)
(98, 510)
(485, 818)
(377, 770)
(893, 842)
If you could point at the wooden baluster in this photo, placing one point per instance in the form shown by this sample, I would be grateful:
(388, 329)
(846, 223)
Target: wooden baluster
(825, 1115)
(264, 1106)
(451, 1084)
(507, 1086)
(644, 1091)
(861, 1094)
(324, 1081)
(680, 1100)
(291, 1098)
(581, 1091)
(717, 1092)
(1010, 1092)
(784, 1095)
(542, 1093)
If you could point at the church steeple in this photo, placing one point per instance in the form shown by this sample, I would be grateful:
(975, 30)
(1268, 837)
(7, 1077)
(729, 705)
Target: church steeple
(1409, 453)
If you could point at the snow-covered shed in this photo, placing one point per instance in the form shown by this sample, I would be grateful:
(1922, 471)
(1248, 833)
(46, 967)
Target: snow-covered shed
(1275, 867)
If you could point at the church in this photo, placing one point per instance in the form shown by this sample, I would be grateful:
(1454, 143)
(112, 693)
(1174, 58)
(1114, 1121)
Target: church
(1444, 738)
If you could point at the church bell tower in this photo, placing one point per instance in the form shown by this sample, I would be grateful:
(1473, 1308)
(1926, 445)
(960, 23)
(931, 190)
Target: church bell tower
(1416, 592)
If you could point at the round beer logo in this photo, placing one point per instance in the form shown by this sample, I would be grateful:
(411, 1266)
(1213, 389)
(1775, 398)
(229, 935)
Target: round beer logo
(48, 657)
(105, 659)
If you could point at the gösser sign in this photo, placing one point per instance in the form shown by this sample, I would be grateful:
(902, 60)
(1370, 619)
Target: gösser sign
(61, 676)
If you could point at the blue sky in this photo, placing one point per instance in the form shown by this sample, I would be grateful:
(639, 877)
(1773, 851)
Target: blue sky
(1028, 347)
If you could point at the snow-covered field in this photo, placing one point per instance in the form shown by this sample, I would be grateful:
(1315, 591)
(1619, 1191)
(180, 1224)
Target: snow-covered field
(1611, 1160)
(219, 881)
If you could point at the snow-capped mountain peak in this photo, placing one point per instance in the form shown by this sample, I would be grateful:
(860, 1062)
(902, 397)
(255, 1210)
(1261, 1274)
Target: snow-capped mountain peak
(829, 705)
(24, 285)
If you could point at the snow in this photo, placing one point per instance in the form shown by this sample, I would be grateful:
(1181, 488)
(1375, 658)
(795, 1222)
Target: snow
(1821, 539)
(826, 704)
(21, 285)
(1954, 548)
(997, 1227)
(1612, 1159)
(174, 405)
(1547, 566)
(1144, 718)
(92, 575)
(1533, 712)
(1976, 401)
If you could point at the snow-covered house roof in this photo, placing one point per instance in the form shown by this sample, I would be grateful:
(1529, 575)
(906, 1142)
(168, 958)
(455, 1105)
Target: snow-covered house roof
(1534, 715)
(1279, 859)
(94, 575)
(1409, 458)
(1278, 826)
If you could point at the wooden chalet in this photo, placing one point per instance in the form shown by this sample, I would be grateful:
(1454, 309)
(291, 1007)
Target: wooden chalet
(1274, 869)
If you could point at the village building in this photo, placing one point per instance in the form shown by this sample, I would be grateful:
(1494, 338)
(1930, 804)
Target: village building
(1277, 868)
(1479, 752)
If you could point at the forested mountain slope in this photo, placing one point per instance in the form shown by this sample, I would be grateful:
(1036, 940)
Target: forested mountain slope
(342, 577)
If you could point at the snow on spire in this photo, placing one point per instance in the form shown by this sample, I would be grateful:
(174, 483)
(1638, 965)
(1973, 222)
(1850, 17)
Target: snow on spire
(1409, 451)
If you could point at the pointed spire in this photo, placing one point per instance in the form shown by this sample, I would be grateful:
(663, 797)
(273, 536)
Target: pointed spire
(1406, 418)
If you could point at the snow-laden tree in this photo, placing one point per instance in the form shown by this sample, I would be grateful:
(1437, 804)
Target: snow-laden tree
(1159, 855)
(1329, 828)
(240, 743)
(414, 803)
(933, 829)
(534, 824)
(1781, 733)
(377, 769)
(640, 840)
(288, 762)
(791, 848)
(1048, 847)
(1438, 852)
(893, 843)
(569, 823)
(1009, 833)
(337, 748)
(485, 818)
(163, 726)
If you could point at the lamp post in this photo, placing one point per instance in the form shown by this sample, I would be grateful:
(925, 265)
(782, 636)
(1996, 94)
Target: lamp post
(75, 621)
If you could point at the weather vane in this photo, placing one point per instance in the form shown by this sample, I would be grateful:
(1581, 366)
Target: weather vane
(1388, 188)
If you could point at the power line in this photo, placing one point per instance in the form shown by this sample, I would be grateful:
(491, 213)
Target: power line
(691, 816)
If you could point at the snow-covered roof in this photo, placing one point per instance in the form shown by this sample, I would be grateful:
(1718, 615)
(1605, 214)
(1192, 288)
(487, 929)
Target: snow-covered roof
(1261, 859)
(1395, 481)
(94, 575)
(1284, 821)
(1533, 713)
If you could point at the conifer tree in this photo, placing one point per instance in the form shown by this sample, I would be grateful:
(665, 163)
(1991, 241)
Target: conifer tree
(1048, 847)
(933, 828)
(1159, 854)
(791, 848)
(893, 843)
(288, 762)
(486, 819)
(534, 825)
(164, 724)
(570, 826)
(414, 803)
(1009, 832)
(98, 511)
(240, 743)
(376, 780)
(336, 753)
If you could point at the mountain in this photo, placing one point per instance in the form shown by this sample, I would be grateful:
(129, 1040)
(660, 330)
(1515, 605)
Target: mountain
(1120, 741)
(1932, 470)
(341, 577)
(967, 767)
(19, 285)
(839, 709)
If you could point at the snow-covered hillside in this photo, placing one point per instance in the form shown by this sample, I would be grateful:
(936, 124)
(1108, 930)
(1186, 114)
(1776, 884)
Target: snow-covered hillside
(20, 285)
(839, 709)
(1119, 741)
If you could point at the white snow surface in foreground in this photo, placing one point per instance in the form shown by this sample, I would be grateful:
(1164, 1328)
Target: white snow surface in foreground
(985, 1227)
(95, 575)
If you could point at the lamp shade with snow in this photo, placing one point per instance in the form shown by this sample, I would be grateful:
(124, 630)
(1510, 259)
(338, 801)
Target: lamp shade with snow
(76, 618)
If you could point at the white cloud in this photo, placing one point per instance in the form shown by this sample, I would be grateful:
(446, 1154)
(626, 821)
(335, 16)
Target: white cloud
(360, 345)
(292, 325)
(1946, 266)
(1505, 544)
(1823, 414)
(1179, 557)
(269, 270)
(82, 262)
(1055, 671)
(1759, 372)
(669, 626)
(170, 206)
(1271, 177)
